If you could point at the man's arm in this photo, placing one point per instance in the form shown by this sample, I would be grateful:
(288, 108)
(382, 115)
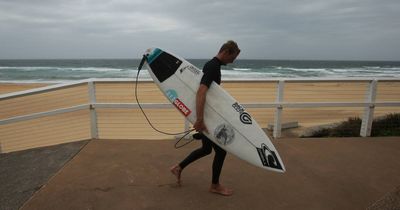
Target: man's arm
(200, 102)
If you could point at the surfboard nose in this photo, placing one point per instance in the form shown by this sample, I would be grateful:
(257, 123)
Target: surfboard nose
(151, 50)
(152, 54)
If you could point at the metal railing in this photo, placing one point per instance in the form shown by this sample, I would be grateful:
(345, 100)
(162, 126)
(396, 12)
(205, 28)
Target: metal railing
(279, 105)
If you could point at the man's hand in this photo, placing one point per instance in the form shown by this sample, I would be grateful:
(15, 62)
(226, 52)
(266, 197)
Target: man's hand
(200, 126)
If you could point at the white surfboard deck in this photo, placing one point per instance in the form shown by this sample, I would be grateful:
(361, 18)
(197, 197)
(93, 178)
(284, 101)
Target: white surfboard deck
(228, 123)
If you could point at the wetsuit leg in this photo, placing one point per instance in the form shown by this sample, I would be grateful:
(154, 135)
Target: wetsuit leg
(198, 153)
(217, 163)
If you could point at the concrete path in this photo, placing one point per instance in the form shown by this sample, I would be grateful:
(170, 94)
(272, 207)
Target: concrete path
(23, 173)
(346, 173)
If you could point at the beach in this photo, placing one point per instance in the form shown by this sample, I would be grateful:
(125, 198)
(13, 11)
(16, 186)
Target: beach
(129, 123)
(14, 87)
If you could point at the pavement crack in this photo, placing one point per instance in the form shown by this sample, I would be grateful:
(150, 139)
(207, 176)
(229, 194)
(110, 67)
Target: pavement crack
(105, 189)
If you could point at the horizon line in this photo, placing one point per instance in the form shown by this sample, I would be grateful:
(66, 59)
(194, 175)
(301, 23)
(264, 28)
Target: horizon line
(265, 59)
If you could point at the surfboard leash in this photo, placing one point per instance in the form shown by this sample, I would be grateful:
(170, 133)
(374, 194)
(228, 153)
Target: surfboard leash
(144, 59)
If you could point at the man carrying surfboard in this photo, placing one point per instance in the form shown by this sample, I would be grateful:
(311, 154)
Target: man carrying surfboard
(212, 73)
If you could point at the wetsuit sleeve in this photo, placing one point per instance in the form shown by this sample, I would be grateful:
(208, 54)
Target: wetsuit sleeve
(208, 76)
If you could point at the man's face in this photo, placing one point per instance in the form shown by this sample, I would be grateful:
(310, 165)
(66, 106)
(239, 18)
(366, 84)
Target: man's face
(229, 58)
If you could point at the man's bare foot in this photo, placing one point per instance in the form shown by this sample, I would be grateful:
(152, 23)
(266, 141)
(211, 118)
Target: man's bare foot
(177, 170)
(221, 190)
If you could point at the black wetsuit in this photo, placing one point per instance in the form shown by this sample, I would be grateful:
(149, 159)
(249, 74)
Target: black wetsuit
(212, 72)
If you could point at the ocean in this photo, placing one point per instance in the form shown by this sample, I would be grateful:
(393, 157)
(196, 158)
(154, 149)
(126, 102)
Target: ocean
(66, 70)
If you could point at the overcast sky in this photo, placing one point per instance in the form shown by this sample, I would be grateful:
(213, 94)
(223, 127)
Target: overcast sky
(264, 29)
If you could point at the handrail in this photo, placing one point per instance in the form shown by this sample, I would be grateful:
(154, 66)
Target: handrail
(106, 80)
(170, 106)
(369, 103)
(43, 114)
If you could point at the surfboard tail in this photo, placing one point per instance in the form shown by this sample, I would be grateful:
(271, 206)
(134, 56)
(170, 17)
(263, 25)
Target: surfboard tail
(270, 159)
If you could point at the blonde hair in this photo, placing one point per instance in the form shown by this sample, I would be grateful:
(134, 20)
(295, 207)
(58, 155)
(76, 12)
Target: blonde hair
(230, 46)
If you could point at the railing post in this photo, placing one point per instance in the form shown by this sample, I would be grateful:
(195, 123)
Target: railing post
(93, 114)
(187, 128)
(368, 117)
(278, 111)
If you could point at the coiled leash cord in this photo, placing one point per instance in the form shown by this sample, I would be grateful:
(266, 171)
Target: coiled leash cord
(148, 121)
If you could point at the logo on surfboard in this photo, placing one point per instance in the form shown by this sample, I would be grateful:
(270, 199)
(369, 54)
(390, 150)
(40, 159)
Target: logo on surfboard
(192, 69)
(244, 116)
(268, 157)
(173, 97)
(224, 134)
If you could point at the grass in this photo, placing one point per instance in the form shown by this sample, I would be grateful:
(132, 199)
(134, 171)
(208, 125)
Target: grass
(389, 125)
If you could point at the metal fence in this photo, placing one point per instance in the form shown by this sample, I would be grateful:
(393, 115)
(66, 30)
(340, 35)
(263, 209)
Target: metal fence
(82, 97)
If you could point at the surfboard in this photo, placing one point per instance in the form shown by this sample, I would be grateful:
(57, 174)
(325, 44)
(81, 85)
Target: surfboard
(229, 124)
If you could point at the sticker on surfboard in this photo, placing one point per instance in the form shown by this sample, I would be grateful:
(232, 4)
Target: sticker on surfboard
(173, 97)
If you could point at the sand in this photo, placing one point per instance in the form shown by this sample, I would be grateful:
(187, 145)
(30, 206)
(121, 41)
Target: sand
(14, 87)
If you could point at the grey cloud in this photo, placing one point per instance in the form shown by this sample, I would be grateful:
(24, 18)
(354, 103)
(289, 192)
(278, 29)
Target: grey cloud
(287, 29)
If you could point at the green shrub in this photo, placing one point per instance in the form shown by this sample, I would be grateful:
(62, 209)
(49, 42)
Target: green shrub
(388, 125)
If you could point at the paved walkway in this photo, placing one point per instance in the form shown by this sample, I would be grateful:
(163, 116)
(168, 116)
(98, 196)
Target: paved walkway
(23, 173)
(347, 173)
